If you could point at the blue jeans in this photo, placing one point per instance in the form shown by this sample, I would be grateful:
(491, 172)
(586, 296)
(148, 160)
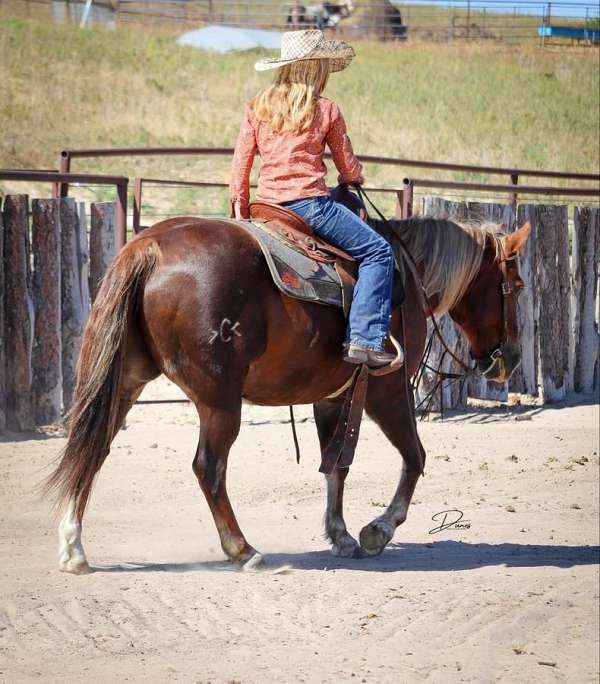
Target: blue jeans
(369, 320)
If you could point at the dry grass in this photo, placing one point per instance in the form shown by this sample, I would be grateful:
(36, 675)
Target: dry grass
(476, 104)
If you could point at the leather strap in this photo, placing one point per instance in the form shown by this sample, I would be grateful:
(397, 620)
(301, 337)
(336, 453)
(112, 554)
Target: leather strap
(340, 450)
(357, 405)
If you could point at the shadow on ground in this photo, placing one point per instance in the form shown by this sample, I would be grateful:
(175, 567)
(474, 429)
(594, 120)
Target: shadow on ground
(479, 411)
(442, 556)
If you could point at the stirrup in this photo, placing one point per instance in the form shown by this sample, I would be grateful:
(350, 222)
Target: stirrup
(395, 364)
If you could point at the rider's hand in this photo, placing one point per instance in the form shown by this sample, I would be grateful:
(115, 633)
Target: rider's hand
(238, 213)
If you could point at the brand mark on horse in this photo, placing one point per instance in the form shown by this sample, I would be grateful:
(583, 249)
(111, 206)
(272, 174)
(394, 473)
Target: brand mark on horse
(225, 332)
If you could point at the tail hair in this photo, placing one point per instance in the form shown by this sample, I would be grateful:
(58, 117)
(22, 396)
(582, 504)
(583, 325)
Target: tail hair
(91, 422)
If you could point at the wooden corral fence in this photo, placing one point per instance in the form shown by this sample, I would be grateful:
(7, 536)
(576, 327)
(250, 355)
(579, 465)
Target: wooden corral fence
(48, 268)
(558, 309)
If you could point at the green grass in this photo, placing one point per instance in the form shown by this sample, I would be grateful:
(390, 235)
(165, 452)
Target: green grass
(477, 104)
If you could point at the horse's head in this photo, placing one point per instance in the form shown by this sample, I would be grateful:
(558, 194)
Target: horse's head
(487, 312)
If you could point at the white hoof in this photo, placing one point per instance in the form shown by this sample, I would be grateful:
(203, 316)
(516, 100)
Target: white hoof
(71, 556)
(255, 563)
(75, 566)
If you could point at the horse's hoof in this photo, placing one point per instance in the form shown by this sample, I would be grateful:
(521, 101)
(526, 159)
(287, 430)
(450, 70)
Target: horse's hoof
(375, 536)
(347, 547)
(256, 562)
(75, 566)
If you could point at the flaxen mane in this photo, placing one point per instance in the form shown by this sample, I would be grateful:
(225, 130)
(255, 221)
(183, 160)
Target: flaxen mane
(450, 254)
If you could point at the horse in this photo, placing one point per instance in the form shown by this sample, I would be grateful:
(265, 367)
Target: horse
(192, 298)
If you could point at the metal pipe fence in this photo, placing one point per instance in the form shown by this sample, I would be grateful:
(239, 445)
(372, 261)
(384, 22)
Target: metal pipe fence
(60, 183)
(406, 194)
(403, 194)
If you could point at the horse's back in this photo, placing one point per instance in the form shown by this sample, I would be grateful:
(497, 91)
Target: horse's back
(195, 236)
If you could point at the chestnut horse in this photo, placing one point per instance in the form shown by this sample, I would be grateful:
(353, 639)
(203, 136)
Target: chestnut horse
(193, 298)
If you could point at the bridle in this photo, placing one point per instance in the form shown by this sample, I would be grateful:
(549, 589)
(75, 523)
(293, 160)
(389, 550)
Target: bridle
(511, 285)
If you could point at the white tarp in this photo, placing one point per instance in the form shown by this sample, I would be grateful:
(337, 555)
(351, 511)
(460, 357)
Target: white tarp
(230, 39)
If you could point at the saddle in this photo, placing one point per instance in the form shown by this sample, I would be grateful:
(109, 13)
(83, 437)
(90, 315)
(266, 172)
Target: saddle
(297, 234)
(295, 229)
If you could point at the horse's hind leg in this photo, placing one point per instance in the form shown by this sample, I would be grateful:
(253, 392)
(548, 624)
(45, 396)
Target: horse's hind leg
(219, 428)
(344, 545)
(71, 556)
(387, 405)
(138, 371)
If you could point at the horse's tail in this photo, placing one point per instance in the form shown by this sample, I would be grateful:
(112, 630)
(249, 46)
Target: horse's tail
(91, 422)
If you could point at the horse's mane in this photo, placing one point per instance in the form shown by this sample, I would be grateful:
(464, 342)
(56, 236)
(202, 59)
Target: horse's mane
(450, 253)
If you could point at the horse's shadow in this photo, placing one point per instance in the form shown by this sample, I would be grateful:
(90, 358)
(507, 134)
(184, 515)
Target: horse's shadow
(440, 556)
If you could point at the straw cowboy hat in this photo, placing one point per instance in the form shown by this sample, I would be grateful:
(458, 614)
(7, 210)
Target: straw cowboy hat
(299, 45)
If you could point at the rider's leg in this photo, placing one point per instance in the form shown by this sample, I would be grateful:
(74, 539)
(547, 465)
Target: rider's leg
(370, 312)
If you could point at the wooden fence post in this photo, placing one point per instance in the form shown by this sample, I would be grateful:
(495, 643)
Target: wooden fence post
(18, 313)
(2, 343)
(103, 246)
(46, 358)
(552, 284)
(525, 378)
(586, 253)
(75, 302)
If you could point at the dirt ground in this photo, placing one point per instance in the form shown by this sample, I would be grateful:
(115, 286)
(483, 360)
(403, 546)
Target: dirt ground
(512, 598)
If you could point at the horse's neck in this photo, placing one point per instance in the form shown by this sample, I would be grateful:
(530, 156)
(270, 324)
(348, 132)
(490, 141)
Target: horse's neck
(428, 303)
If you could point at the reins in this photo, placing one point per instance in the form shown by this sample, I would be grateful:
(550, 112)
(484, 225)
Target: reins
(422, 366)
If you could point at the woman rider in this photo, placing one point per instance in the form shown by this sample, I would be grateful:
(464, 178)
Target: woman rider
(288, 124)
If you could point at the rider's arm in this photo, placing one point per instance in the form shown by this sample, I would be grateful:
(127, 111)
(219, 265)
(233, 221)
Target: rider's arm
(350, 169)
(241, 165)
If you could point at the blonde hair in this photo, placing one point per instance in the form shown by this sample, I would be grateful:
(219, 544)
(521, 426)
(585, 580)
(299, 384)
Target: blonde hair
(288, 104)
(450, 253)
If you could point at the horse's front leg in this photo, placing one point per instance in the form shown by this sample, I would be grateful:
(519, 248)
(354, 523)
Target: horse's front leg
(218, 430)
(391, 406)
(343, 544)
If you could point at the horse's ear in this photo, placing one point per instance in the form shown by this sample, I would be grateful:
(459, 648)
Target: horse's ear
(515, 242)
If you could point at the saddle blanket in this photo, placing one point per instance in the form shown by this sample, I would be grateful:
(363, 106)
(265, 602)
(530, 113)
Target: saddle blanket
(294, 273)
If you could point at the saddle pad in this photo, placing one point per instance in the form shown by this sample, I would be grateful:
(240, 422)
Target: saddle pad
(293, 272)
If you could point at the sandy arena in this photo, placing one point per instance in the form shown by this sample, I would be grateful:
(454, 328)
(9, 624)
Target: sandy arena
(512, 598)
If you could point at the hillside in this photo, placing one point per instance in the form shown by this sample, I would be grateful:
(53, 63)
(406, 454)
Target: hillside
(477, 104)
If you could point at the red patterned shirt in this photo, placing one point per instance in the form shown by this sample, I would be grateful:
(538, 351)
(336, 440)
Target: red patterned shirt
(292, 165)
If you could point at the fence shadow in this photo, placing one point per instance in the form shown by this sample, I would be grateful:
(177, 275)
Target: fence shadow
(505, 413)
(441, 556)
